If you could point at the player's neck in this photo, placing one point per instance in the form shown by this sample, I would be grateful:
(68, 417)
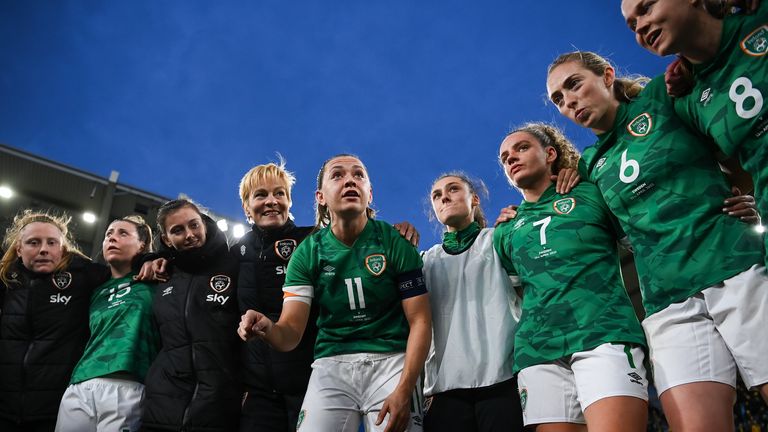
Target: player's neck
(348, 230)
(533, 192)
(119, 269)
(704, 45)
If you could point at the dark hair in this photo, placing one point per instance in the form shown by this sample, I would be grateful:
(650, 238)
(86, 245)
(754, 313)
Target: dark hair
(550, 136)
(476, 187)
(322, 216)
(172, 206)
(143, 230)
(624, 88)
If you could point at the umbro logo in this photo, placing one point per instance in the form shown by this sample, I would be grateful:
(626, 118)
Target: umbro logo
(635, 378)
(600, 163)
(167, 291)
(329, 270)
(706, 96)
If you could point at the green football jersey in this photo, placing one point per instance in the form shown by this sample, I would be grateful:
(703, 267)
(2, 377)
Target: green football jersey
(124, 337)
(358, 289)
(564, 250)
(729, 101)
(663, 184)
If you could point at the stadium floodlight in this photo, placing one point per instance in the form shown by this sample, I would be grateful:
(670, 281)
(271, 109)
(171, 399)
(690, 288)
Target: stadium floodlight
(89, 217)
(223, 225)
(238, 231)
(6, 192)
(760, 228)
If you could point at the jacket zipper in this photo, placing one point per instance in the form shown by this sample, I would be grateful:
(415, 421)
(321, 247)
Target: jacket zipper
(192, 352)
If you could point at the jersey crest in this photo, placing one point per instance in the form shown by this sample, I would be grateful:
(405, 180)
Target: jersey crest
(376, 264)
(220, 283)
(756, 43)
(62, 280)
(285, 248)
(523, 397)
(641, 125)
(302, 415)
(564, 206)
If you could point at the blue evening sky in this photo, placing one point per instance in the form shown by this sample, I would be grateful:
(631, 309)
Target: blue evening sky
(186, 96)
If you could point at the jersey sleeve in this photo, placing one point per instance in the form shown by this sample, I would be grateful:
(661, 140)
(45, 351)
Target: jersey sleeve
(407, 267)
(299, 283)
(502, 244)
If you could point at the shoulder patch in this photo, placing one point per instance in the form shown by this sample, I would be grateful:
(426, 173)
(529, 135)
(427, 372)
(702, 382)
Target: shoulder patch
(564, 206)
(62, 280)
(641, 125)
(284, 248)
(220, 283)
(376, 264)
(756, 43)
(242, 250)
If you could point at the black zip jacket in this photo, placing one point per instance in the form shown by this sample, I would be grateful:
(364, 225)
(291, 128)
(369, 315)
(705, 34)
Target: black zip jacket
(43, 332)
(194, 384)
(263, 257)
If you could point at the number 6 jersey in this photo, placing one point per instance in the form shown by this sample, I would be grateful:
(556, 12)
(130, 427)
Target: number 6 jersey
(663, 184)
(358, 288)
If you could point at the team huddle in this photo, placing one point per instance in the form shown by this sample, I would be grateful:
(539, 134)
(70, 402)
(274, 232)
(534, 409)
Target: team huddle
(525, 325)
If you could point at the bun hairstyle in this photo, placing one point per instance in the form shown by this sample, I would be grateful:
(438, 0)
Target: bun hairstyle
(143, 230)
(13, 236)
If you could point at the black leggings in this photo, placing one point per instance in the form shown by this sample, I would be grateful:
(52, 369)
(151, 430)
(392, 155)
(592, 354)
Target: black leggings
(494, 408)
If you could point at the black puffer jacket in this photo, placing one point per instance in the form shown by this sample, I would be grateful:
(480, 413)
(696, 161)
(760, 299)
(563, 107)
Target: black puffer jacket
(194, 384)
(263, 257)
(43, 331)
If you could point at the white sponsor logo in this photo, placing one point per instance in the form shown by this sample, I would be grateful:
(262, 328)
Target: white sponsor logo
(58, 298)
(216, 298)
(242, 250)
(280, 270)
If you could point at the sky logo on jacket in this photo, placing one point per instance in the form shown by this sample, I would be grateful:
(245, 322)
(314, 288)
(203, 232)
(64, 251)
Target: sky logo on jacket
(58, 299)
(219, 283)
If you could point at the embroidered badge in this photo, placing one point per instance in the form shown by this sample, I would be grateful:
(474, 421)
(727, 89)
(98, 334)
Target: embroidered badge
(641, 125)
(523, 397)
(376, 264)
(756, 43)
(564, 206)
(62, 280)
(220, 283)
(285, 248)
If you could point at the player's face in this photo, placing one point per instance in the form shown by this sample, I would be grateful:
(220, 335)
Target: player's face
(268, 204)
(346, 188)
(453, 202)
(659, 25)
(525, 162)
(582, 96)
(40, 247)
(184, 229)
(121, 242)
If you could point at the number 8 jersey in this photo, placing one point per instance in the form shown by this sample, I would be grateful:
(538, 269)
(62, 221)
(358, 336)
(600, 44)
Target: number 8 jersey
(358, 288)
(663, 184)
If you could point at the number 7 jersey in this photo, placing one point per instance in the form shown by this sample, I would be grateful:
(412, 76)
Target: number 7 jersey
(358, 288)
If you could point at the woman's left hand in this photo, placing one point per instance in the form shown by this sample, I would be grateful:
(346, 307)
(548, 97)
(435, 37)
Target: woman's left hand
(742, 207)
(397, 405)
(153, 271)
(408, 232)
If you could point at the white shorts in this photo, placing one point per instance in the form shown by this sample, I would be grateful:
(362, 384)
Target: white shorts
(711, 334)
(560, 391)
(348, 389)
(101, 404)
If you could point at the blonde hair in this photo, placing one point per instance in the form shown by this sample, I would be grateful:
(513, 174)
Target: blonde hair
(13, 236)
(322, 215)
(261, 174)
(550, 136)
(625, 88)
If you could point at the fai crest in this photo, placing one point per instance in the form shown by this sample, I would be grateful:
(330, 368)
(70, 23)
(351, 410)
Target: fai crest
(523, 397)
(564, 206)
(220, 283)
(756, 43)
(62, 280)
(302, 416)
(376, 264)
(285, 248)
(641, 125)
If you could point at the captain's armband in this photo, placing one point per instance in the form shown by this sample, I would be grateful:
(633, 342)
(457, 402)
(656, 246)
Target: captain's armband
(411, 284)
